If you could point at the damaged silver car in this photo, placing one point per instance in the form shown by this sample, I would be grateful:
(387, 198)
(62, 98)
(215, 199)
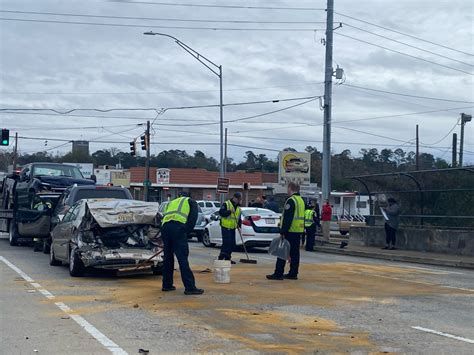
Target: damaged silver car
(121, 235)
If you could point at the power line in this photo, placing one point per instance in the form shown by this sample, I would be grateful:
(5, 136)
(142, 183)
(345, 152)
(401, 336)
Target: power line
(221, 6)
(402, 115)
(404, 34)
(166, 27)
(404, 54)
(159, 19)
(446, 135)
(407, 95)
(156, 93)
(408, 45)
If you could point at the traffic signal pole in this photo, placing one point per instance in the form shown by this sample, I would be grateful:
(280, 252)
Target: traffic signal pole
(147, 162)
(15, 152)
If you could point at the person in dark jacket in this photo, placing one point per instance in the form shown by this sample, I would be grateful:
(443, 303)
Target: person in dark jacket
(391, 224)
(179, 219)
(230, 220)
(272, 205)
(311, 220)
(292, 227)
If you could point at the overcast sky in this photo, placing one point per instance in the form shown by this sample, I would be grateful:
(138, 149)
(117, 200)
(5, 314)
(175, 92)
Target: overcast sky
(71, 66)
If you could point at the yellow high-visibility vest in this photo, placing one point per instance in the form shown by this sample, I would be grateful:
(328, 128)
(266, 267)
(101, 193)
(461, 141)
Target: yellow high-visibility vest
(297, 223)
(232, 220)
(177, 210)
(308, 218)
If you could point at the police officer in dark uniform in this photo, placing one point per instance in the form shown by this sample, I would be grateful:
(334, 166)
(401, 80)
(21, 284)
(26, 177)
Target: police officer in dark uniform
(179, 219)
(230, 221)
(292, 227)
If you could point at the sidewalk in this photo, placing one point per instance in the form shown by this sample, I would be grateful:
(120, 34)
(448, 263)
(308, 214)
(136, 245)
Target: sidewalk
(459, 261)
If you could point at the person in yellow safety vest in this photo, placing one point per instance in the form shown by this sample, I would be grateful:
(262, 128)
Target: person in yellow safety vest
(311, 220)
(178, 221)
(230, 220)
(291, 228)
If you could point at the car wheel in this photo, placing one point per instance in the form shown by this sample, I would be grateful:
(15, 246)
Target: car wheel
(13, 235)
(206, 240)
(46, 245)
(199, 236)
(52, 259)
(158, 269)
(343, 232)
(76, 266)
(37, 246)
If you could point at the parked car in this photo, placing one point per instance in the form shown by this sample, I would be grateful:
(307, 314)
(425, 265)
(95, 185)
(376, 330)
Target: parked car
(108, 234)
(75, 193)
(208, 206)
(259, 227)
(200, 222)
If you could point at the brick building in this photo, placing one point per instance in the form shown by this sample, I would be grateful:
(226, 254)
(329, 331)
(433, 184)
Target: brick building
(199, 183)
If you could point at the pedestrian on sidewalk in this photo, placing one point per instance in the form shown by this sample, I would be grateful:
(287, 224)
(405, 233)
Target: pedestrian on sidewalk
(179, 219)
(391, 224)
(230, 221)
(326, 216)
(291, 229)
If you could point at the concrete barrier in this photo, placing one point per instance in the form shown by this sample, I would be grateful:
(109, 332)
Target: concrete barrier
(447, 241)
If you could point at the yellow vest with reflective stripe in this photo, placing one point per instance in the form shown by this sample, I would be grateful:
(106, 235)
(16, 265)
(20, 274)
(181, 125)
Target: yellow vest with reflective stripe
(177, 210)
(297, 224)
(308, 218)
(231, 221)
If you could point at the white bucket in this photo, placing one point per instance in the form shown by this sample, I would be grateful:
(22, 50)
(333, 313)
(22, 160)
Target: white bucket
(222, 271)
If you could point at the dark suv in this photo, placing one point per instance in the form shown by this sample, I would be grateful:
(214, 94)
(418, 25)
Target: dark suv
(75, 193)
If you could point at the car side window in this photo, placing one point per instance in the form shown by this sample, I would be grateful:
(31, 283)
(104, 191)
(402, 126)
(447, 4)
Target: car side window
(69, 216)
(201, 204)
(209, 204)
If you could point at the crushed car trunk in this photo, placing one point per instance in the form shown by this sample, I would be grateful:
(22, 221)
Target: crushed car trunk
(120, 234)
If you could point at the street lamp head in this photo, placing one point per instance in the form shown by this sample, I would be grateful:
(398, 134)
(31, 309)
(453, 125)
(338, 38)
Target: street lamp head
(465, 118)
(149, 33)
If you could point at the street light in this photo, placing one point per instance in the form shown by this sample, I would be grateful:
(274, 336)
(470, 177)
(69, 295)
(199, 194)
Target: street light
(217, 70)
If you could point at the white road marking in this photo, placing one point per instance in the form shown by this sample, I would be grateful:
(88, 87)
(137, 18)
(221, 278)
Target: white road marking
(438, 271)
(412, 281)
(471, 341)
(88, 327)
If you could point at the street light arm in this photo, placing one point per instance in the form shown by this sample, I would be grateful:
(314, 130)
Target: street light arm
(198, 56)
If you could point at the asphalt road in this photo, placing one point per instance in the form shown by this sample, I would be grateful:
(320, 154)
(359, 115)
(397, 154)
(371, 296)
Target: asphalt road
(339, 304)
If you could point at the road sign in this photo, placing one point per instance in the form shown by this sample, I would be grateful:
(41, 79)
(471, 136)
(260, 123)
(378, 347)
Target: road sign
(223, 185)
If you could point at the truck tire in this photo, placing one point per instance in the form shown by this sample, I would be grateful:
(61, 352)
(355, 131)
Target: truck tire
(76, 266)
(52, 259)
(13, 234)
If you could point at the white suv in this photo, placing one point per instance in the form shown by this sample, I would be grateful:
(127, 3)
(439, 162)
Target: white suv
(209, 206)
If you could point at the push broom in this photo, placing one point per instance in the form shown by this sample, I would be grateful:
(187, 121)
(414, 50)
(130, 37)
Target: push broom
(248, 260)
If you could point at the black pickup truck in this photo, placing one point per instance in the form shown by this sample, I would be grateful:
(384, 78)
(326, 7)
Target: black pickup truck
(29, 198)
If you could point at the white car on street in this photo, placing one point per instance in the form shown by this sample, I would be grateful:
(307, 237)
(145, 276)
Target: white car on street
(259, 227)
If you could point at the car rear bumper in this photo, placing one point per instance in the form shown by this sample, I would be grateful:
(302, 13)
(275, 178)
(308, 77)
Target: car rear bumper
(118, 258)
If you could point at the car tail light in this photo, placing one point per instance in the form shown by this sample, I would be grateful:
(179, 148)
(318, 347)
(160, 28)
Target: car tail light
(256, 218)
(246, 222)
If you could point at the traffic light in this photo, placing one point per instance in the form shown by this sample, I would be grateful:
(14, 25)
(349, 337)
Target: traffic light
(133, 151)
(144, 142)
(5, 137)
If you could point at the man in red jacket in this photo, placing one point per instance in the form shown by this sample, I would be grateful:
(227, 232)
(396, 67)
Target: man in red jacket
(326, 215)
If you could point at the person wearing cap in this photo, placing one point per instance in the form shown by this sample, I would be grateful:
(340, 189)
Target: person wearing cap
(178, 221)
(291, 229)
(230, 220)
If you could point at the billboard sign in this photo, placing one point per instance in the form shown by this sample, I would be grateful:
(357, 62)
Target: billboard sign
(294, 167)
(223, 185)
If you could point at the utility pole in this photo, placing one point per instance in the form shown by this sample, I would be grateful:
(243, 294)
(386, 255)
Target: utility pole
(455, 153)
(464, 118)
(147, 162)
(221, 126)
(326, 173)
(15, 152)
(225, 153)
(417, 149)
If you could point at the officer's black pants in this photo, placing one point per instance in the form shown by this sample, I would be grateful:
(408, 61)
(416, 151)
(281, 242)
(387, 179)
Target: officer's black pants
(390, 235)
(175, 241)
(294, 240)
(228, 243)
(310, 237)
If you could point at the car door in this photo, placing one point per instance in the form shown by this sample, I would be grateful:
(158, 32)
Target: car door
(215, 233)
(22, 198)
(62, 233)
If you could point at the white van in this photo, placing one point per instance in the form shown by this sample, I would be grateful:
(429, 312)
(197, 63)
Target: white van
(209, 206)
